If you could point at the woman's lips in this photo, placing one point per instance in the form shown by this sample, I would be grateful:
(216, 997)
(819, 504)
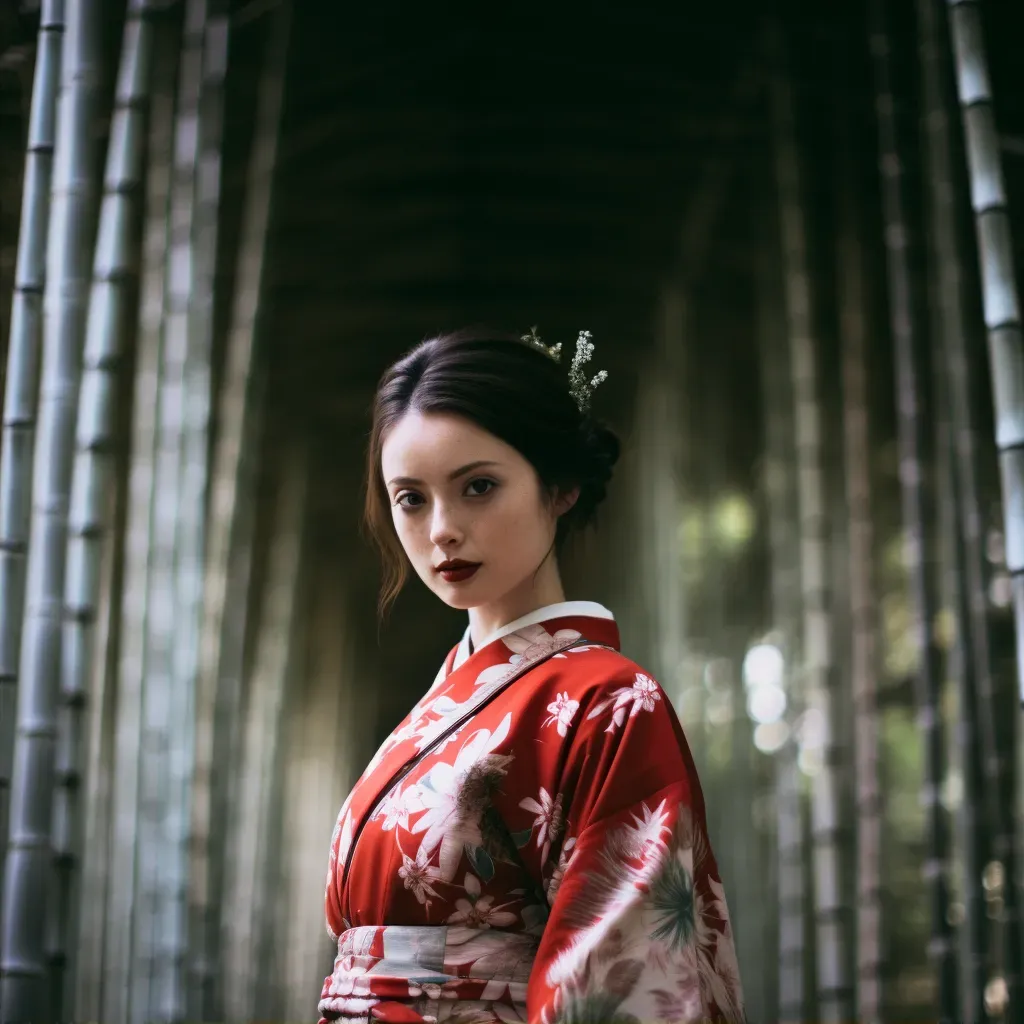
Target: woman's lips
(458, 574)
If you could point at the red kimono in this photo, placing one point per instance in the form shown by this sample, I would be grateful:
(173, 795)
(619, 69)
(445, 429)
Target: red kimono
(530, 845)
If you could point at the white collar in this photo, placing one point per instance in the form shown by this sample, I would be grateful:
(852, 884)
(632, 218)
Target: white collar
(560, 610)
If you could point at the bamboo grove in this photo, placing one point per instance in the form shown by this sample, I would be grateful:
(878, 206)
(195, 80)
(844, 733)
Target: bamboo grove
(220, 220)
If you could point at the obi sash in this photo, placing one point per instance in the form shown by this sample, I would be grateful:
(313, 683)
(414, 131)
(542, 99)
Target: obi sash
(402, 974)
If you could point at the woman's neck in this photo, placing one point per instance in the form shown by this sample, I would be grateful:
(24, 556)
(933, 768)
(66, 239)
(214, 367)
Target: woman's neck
(536, 591)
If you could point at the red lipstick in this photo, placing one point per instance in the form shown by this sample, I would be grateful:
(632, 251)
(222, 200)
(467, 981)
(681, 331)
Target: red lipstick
(455, 570)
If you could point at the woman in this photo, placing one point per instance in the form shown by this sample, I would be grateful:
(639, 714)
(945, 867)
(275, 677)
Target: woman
(530, 843)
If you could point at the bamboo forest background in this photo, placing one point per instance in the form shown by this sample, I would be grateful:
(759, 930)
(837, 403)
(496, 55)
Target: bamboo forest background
(794, 231)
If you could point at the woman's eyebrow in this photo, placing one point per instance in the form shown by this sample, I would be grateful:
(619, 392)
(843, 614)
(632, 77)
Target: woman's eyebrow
(454, 475)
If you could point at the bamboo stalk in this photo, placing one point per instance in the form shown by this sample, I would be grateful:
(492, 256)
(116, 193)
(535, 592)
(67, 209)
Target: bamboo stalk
(231, 525)
(962, 666)
(166, 706)
(24, 981)
(780, 499)
(833, 984)
(1001, 311)
(121, 939)
(658, 495)
(864, 668)
(958, 336)
(745, 889)
(190, 539)
(254, 836)
(22, 382)
(918, 511)
(85, 996)
(327, 715)
(113, 281)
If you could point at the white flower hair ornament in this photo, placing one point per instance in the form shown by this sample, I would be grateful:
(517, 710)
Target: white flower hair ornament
(580, 388)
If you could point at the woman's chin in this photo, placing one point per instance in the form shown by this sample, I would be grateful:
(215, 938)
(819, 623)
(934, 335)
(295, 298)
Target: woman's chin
(461, 596)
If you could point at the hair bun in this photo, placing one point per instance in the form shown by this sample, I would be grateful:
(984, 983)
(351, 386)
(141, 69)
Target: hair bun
(600, 451)
(602, 445)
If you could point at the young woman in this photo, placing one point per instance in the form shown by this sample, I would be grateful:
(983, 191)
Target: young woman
(530, 843)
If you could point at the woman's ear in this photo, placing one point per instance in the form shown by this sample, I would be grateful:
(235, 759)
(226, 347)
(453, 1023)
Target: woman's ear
(566, 500)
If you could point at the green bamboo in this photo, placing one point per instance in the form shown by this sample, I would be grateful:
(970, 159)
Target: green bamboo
(85, 995)
(983, 764)
(229, 551)
(22, 384)
(833, 983)
(962, 663)
(249, 902)
(1001, 310)
(918, 510)
(329, 715)
(114, 271)
(745, 890)
(780, 499)
(657, 497)
(190, 536)
(166, 706)
(865, 659)
(123, 910)
(24, 970)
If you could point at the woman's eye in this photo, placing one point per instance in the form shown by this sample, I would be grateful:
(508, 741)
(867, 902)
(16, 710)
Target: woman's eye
(480, 486)
(403, 500)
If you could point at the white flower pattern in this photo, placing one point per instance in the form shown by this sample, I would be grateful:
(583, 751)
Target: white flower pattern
(548, 822)
(438, 794)
(558, 871)
(476, 911)
(395, 810)
(417, 874)
(644, 695)
(562, 710)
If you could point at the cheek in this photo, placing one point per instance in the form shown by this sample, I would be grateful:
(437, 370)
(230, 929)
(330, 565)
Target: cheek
(408, 534)
(522, 526)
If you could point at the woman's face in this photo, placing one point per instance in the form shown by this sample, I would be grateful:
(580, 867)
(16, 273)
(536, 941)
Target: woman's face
(460, 497)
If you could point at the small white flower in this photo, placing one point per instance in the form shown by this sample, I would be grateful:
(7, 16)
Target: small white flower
(563, 862)
(395, 811)
(418, 874)
(643, 695)
(548, 822)
(562, 710)
(476, 912)
(479, 913)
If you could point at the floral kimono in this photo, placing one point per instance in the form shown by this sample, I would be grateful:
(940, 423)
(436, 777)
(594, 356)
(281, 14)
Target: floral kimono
(530, 845)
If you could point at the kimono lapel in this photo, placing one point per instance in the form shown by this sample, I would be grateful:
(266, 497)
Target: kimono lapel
(447, 725)
(439, 715)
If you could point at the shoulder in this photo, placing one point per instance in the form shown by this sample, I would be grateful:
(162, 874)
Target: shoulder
(620, 734)
(587, 683)
(595, 673)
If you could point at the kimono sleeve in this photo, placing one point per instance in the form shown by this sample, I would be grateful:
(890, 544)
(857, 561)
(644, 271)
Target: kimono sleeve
(638, 929)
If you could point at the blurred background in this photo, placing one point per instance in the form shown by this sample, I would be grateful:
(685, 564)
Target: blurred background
(793, 230)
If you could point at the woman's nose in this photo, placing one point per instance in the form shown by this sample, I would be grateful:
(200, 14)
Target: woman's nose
(444, 531)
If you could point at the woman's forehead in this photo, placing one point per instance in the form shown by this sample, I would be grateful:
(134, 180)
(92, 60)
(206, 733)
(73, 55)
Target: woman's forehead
(437, 443)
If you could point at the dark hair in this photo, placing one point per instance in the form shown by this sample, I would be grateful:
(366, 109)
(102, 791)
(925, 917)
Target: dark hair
(514, 392)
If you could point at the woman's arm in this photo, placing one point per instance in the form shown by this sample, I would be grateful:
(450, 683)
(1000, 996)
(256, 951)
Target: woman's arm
(638, 928)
